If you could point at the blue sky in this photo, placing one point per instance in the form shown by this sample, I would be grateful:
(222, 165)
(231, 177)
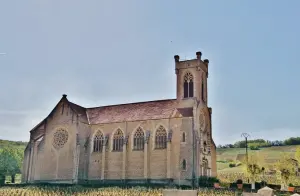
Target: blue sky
(110, 52)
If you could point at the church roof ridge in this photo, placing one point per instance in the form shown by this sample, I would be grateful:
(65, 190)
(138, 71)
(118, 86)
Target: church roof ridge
(123, 104)
(76, 104)
(146, 110)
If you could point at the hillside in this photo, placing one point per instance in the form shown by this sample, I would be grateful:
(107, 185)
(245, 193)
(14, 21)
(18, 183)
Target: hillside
(267, 155)
(16, 144)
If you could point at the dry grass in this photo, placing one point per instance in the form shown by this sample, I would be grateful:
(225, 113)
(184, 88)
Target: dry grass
(80, 191)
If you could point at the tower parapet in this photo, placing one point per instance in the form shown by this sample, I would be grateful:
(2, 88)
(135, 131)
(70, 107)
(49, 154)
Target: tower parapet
(197, 62)
(192, 77)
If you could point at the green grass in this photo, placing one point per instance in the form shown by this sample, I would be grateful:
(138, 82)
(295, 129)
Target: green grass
(222, 166)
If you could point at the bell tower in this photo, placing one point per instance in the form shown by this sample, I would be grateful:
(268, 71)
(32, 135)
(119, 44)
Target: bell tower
(192, 78)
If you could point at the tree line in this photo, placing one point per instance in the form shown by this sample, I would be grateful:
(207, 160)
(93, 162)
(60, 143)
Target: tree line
(261, 143)
(4, 143)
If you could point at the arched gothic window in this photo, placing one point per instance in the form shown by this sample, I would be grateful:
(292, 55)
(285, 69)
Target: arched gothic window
(161, 138)
(183, 166)
(138, 139)
(188, 86)
(98, 142)
(118, 140)
(183, 137)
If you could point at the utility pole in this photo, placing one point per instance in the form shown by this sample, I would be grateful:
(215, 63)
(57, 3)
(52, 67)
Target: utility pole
(246, 135)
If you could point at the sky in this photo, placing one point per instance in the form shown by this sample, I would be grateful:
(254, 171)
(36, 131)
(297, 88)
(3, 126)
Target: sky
(111, 52)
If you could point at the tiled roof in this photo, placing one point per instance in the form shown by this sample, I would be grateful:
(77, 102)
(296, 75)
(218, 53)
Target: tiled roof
(79, 110)
(150, 110)
(185, 112)
(132, 111)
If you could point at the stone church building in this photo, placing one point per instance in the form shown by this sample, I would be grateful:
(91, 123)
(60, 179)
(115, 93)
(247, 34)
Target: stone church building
(156, 141)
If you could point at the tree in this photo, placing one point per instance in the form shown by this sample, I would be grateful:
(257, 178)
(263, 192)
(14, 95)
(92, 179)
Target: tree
(253, 169)
(286, 167)
(10, 162)
(292, 141)
(297, 154)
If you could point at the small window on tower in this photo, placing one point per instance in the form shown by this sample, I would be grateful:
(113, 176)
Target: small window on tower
(183, 166)
(204, 146)
(188, 85)
(183, 137)
(186, 89)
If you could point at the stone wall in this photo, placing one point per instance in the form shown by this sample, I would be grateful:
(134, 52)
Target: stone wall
(213, 161)
(95, 166)
(135, 167)
(26, 163)
(156, 165)
(84, 132)
(47, 162)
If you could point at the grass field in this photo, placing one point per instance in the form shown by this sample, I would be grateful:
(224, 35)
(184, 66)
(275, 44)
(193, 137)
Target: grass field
(267, 155)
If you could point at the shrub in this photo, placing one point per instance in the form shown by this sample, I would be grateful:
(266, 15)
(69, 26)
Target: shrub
(207, 181)
(263, 183)
(221, 161)
(225, 184)
(231, 164)
(239, 181)
(235, 164)
(254, 148)
(214, 180)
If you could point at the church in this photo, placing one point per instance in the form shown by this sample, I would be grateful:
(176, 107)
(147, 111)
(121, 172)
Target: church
(158, 141)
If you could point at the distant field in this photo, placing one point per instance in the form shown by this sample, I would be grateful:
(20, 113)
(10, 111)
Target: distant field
(268, 155)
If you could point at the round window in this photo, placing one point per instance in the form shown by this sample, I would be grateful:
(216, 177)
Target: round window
(60, 138)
